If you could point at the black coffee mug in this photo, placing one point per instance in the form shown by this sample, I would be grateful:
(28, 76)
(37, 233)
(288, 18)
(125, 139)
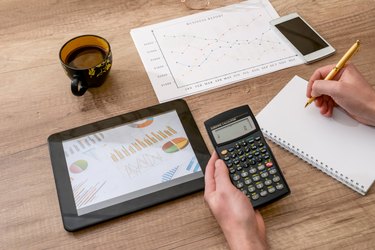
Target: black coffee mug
(87, 61)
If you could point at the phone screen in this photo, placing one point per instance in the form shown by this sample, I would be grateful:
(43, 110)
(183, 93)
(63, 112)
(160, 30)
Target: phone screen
(301, 36)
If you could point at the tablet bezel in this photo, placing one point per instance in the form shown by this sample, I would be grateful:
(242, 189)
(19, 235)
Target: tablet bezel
(71, 220)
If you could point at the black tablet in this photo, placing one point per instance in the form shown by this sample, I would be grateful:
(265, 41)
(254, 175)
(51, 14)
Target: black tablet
(122, 164)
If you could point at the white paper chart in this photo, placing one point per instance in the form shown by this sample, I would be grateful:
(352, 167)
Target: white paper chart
(210, 49)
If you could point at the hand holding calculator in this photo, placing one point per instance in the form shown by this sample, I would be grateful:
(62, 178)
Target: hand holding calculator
(253, 169)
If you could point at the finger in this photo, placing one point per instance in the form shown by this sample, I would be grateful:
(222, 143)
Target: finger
(222, 176)
(318, 74)
(331, 105)
(260, 222)
(321, 73)
(324, 108)
(324, 87)
(209, 179)
(318, 102)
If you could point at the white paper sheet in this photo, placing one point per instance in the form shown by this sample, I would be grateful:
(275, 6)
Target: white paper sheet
(210, 49)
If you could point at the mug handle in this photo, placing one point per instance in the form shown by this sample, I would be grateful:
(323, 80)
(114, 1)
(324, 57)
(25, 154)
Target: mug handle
(77, 88)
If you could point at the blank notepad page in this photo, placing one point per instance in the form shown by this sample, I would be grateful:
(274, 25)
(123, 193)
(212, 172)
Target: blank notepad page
(339, 146)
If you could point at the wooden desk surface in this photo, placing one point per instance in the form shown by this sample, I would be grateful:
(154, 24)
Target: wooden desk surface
(35, 101)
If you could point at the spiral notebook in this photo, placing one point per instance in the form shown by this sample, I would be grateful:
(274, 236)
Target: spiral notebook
(339, 146)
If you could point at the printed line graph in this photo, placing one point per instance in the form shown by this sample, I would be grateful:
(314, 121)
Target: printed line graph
(211, 49)
(204, 51)
(207, 49)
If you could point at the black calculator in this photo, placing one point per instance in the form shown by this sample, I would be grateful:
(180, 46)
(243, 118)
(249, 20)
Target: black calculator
(253, 169)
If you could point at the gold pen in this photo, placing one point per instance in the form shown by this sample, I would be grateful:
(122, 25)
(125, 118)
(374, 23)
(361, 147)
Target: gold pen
(338, 66)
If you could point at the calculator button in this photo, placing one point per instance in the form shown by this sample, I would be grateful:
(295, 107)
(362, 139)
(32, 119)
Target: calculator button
(264, 174)
(239, 168)
(245, 165)
(276, 178)
(255, 196)
(229, 164)
(259, 159)
(261, 167)
(252, 162)
(244, 174)
(263, 193)
(266, 157)
(232, 170)
(256, 178)
(268, 182)
(251, 188)
(226, 158)
(263, 151)
(233, 155)
(271, 190)
(247, 150)
(237, 146)
(248, 181)
(239, 185)
(224, 152)
(240, 152)
(251, 141)
(253, 170)
(243, 159)
(279, 186)
(236, 161)
(244, 191)
(269, 164)
(249, 156)
(259, 185)
(236, 177)
(256, 153)
(230, 149)
(244, 144)
(260, 144)
(273, 171)
(254, 147)
(257, 138)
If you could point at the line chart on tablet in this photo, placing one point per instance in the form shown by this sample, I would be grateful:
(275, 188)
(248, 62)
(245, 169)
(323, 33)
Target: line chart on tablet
(211, 49)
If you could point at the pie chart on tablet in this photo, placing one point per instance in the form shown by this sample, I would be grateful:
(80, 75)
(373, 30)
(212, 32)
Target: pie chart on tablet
(78, 166)
(175, 145)
(143, 123)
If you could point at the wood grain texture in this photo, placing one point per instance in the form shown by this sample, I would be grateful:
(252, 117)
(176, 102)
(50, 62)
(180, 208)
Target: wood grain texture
(35, 102)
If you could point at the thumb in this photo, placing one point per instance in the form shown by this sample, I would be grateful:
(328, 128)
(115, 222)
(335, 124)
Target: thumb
(221, 175)
(324, 87)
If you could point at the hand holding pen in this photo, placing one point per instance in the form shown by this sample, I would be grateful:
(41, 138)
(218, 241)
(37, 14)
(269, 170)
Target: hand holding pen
(338, 67)
(348, 89)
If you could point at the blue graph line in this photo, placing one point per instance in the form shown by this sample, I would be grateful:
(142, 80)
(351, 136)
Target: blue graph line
(169, 174)
(188, 168)
(197, 168)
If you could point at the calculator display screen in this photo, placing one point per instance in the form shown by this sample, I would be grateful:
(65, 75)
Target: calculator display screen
(233, 130)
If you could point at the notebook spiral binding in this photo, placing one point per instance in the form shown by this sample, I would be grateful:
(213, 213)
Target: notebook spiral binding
(313, 161)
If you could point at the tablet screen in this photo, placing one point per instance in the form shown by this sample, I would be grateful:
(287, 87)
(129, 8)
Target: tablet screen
(128, 161)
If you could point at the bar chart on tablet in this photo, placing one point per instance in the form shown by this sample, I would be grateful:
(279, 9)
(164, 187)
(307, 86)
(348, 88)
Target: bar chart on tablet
(212, 49)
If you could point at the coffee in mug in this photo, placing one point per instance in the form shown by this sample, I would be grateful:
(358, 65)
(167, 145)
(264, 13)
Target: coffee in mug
(87, 60)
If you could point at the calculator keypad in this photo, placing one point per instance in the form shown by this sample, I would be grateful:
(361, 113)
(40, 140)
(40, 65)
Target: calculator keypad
(253, 170)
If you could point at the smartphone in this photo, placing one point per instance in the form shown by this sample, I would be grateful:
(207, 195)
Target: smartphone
(302, 37)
